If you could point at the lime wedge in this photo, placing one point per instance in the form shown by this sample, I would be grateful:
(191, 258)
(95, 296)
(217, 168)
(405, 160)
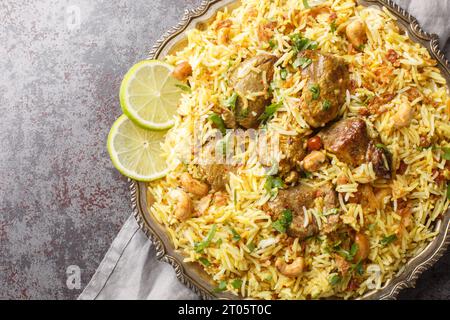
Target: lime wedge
(149, 95)
(136, 152)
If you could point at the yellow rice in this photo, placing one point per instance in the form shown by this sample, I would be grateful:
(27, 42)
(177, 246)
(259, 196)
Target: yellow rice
(212, 61)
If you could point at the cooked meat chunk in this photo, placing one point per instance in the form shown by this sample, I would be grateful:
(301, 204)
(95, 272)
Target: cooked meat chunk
(349, 141)
(298, 197)
(251, 80)
(217, 175)
(292, 153)
(325, 90)
(214, 171)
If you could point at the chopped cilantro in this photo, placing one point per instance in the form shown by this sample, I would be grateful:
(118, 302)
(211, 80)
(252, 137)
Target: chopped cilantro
(218, 122)
(326, 105)
(306, 174)
(348, 255)
(333, 26)
(270, 111)
(381, 146)
(204, 261)
(237, 283)
(388, 239)
(358, 268)
(231, 101)
(283, 223)
(331, 212)
(306, 4)
(448, 191)
(244, 112)
(302, 62)
(273, 182)
(272, 43)
(236, 236)
(315, 89)
(283, 74)
(299, 43)
(336, 279)
(446, 154)
(361, 47)
(272, 87)
(353, 250)
(200, 246)
(251, 247)
(183, 87)
(221, 287)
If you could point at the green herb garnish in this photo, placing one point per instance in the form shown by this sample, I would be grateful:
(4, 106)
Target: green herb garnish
(446, 154)
(272, 87)
(237, 283)
(221, 287)
(272, 43)
(336, 279)
(204, 261)
(353, 250)
(326, 105)
(348, 255)
(283, 223)
(273, 182)
(302, 62)
(361, 47)
(270, 111)
(448, 191)
(231, 101)
(244, 112)
(315, 89)
(306, 4)
(283, 74)
(251, 247)
(218, 122)
(299, 43)
(333, 26)
(381, 146)
(236, 236)
(306, 174)
(183, 87)
(388, 239)
(358, 268)
(331, 212)
(200, 246)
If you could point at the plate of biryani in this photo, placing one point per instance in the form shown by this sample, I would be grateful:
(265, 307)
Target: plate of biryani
(309, 154)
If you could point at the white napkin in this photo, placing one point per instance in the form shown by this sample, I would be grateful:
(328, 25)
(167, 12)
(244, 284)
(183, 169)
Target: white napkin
(130, 269)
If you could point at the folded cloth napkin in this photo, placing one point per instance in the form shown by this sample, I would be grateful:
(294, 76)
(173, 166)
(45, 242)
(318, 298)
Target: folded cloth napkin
(130, 269)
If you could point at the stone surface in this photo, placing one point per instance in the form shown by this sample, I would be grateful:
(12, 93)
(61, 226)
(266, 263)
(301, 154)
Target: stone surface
(61, 201)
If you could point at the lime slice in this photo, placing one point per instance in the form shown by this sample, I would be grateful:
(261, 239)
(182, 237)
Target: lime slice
(136, 152)
(149, 95)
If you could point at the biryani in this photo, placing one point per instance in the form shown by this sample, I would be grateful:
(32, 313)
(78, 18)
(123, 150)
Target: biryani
(309, 158)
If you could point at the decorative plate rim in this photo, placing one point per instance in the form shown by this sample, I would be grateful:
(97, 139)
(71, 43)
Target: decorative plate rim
(406, 278)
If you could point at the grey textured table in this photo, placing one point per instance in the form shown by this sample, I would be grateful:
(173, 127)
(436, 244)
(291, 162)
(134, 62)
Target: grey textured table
(62, 202)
